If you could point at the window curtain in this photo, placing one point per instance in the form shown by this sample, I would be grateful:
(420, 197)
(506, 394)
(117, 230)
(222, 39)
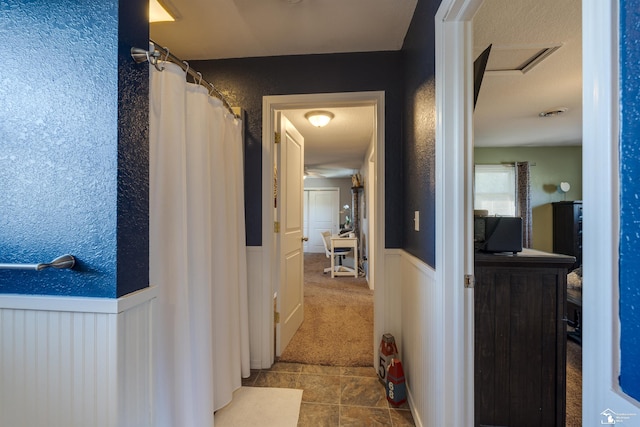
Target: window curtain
(523, 201)
(197, 250)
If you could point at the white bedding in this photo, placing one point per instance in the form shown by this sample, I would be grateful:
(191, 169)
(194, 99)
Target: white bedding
(574, 286)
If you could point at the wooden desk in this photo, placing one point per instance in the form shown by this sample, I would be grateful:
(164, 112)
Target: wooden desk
(344, 242)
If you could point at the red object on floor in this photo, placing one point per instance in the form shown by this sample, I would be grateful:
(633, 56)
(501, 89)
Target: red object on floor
(388, 351)
(396, 386)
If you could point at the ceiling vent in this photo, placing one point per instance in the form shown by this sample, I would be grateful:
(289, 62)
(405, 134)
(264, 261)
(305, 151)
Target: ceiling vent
(517, 59)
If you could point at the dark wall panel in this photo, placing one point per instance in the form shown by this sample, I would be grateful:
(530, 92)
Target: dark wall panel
(419, 155)
(133, 151)
(245, 81)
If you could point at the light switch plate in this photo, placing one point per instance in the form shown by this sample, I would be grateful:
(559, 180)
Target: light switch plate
(416, 220)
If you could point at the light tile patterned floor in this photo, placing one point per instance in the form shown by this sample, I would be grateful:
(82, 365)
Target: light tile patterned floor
(335, 396)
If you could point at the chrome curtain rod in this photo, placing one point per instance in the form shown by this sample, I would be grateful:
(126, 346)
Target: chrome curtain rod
(64, 261)
(160, 53)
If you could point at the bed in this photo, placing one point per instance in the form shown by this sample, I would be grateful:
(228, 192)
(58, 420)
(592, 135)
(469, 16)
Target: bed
(574, 304)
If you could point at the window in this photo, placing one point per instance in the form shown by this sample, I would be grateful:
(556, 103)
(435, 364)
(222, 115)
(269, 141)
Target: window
(495, 189)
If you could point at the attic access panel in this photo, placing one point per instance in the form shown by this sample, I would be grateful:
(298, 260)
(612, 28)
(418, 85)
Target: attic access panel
(510, 59)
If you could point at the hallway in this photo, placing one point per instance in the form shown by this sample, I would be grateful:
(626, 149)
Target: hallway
(348, 393)
(329, 306)
(334, 396)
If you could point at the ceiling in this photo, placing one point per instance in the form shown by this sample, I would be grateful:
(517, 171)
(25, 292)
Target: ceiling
(338, 149)
(214, 29)
(508, 104)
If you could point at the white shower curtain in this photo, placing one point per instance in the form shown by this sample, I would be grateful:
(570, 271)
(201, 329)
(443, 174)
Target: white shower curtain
(197, 250)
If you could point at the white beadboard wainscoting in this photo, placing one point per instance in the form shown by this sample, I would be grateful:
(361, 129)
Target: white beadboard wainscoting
(421, 316)
(413, 313)
(259, 290)
(73, 361)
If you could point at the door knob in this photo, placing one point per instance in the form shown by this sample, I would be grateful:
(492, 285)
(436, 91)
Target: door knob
(305, 239)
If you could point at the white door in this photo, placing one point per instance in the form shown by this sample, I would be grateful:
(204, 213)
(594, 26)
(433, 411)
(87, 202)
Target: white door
(323, 214)
(305, 226)
(369, 213)
(289, 213)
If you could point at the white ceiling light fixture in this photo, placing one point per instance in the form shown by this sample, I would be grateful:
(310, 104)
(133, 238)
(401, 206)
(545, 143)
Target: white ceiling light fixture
(158, 13)
(319, 118)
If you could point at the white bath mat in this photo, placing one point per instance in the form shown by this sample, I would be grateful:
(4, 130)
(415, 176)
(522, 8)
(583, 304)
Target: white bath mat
(261, 406)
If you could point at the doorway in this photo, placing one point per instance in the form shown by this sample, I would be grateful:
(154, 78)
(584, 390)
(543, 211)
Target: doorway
(541, 154)
(600, 29)
(274, 104)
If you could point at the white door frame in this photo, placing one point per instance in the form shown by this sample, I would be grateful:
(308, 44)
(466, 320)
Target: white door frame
(271, 104)
(454, 133)
(600, 184)
(454, 220)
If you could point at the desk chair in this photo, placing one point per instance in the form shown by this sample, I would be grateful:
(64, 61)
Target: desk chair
(339, 253)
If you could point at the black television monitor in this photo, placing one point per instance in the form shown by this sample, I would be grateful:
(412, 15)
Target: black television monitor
(498, 234)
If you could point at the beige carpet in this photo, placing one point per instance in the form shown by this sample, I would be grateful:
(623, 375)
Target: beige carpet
(338, 319)
(574, 385)
(261, 406)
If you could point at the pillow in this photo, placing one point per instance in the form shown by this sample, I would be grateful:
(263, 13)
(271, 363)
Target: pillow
(574, 281)
(578, 271)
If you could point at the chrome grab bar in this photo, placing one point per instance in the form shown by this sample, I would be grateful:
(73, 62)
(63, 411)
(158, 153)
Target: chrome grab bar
(64, 261)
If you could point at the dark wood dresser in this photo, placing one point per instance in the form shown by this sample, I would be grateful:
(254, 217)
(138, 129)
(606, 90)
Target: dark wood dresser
(567, 230)
(520, 338)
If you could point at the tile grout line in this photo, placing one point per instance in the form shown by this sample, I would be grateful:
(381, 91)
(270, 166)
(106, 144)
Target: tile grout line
(345, 378)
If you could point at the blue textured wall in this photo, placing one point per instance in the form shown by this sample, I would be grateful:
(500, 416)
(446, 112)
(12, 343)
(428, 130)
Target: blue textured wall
(72, 177)
(419, 174)
(630, 197)
(246, 81)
